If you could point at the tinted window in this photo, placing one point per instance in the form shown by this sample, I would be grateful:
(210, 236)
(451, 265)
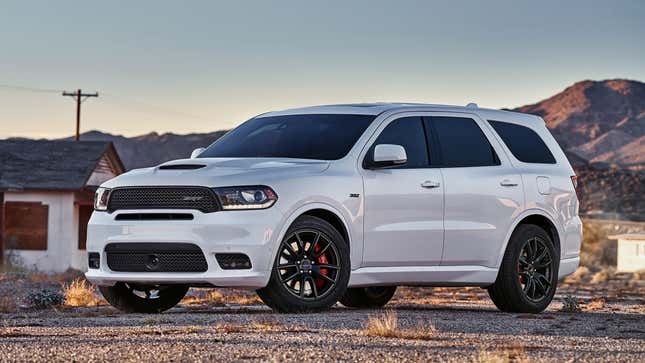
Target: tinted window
(407, 132)
(525, 144)
(462, 143)
(307, 136)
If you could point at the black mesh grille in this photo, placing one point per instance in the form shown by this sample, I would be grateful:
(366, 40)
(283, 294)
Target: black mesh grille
(201, 199)
(155, 257)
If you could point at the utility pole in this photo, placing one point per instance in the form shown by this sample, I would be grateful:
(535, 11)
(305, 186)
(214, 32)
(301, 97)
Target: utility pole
(78, 94)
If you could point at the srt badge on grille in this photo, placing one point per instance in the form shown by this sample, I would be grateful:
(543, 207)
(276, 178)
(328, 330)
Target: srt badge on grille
(191, 199)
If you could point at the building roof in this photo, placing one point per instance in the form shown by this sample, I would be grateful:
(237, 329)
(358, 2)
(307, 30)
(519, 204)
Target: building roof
(629, 236)
(53, 165)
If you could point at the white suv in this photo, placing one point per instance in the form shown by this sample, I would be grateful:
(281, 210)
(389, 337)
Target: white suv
(343, 203)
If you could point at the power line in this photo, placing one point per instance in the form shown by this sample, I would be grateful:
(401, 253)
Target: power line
(150, 107)
(29, 89)
(115, 99)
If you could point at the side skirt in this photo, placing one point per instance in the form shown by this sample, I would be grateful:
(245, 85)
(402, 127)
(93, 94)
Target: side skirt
(423, 276)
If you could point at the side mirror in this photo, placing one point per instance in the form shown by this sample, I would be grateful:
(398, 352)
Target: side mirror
(196, 152)
(388, 155)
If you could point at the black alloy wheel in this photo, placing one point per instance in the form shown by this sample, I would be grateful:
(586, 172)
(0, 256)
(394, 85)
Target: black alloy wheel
(308, 264)
(311, 268)
(528, 275)
(535, 269)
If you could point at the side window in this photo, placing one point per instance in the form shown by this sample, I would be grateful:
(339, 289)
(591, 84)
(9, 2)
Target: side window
(525, 144)
(409, 133)
(461, 143)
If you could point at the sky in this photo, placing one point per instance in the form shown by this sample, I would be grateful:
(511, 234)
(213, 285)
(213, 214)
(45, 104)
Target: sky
(201, 66)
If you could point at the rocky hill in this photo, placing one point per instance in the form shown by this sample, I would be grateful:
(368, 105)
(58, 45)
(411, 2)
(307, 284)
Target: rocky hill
(598, 121)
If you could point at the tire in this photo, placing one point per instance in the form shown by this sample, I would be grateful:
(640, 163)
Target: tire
(528, 276)
(131, 298)
(304, 285)
(368, 297)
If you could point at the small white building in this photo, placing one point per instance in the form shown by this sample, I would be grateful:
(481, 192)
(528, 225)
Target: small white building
(46, 199)
(631, 252)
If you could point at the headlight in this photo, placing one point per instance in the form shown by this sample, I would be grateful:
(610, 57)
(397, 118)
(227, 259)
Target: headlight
(101, 198)
(254, 197)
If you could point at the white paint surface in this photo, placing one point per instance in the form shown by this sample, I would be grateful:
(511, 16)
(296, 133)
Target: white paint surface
(62, 234)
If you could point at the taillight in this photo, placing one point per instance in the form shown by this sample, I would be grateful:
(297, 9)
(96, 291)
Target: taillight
(574, 180)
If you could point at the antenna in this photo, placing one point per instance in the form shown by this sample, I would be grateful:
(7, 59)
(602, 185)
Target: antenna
(472, 105)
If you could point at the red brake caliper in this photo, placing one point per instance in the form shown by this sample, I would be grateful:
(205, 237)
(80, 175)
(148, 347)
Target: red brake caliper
(322, 259)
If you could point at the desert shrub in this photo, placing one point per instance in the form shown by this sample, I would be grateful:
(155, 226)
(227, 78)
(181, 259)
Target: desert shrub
(45, 298)
(386, 325)
(80, 293)
(570, 305)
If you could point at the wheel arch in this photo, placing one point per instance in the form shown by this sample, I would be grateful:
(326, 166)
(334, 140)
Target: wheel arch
(328, 213)
(536, 217)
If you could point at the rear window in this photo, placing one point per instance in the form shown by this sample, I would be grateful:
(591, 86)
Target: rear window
(525, 144)
(306, 136)
(462, 143)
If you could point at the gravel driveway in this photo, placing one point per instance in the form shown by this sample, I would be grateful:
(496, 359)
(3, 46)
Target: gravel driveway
(467, 328)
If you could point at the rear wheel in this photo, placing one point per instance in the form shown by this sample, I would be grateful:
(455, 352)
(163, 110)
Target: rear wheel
(528, 275)
(139, 298)
(311, 269)
(368, 297)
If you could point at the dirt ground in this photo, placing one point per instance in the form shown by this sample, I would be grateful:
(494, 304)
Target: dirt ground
(434, 324)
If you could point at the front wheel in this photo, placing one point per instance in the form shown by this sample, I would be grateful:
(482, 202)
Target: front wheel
(147, 299)
(311, 269)
(528, 275)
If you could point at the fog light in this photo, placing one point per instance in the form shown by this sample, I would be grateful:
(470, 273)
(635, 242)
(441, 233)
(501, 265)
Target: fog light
(94, 260)
(233, 261)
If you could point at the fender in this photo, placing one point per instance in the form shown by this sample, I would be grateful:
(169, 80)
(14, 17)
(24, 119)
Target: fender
(516, 222)
(356, 248)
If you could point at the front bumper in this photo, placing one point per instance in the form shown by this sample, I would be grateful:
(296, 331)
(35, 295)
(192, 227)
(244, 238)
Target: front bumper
(252, 232)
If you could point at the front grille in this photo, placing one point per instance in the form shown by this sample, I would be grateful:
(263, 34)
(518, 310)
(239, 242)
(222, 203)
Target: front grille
(155, 257)
(198, 198)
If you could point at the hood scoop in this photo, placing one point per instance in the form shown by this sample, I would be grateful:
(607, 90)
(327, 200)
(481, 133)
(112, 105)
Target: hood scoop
(182, 167)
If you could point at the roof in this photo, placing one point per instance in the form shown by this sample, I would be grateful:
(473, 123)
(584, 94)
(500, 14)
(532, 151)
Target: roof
(629, 236)
(52, 165)
(381, 107)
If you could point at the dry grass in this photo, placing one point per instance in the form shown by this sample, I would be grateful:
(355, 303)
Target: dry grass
(386, 325)
(8, 305)
(216, 298)
(210, 298)
(595, 304)
(603, 275)
(515, 353)
(259, 326)
(80, 293)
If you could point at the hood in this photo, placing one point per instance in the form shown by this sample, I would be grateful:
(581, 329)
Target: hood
(217, 172)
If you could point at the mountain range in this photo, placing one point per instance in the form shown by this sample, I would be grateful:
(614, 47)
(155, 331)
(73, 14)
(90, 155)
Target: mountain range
(600, 125)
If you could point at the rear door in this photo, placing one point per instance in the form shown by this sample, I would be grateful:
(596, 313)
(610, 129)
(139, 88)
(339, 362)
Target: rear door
(483, 192)
(403, 204)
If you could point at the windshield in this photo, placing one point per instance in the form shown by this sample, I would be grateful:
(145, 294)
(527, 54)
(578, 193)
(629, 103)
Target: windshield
(306, 136)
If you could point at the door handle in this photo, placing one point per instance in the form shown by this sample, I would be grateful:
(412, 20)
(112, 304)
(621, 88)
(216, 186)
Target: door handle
(508, 183)
(430, 184)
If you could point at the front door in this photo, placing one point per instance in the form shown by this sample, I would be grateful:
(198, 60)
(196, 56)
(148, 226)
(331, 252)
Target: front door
(403, 204)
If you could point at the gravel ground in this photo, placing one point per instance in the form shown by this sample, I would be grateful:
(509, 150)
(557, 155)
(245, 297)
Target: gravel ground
(468, 328)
